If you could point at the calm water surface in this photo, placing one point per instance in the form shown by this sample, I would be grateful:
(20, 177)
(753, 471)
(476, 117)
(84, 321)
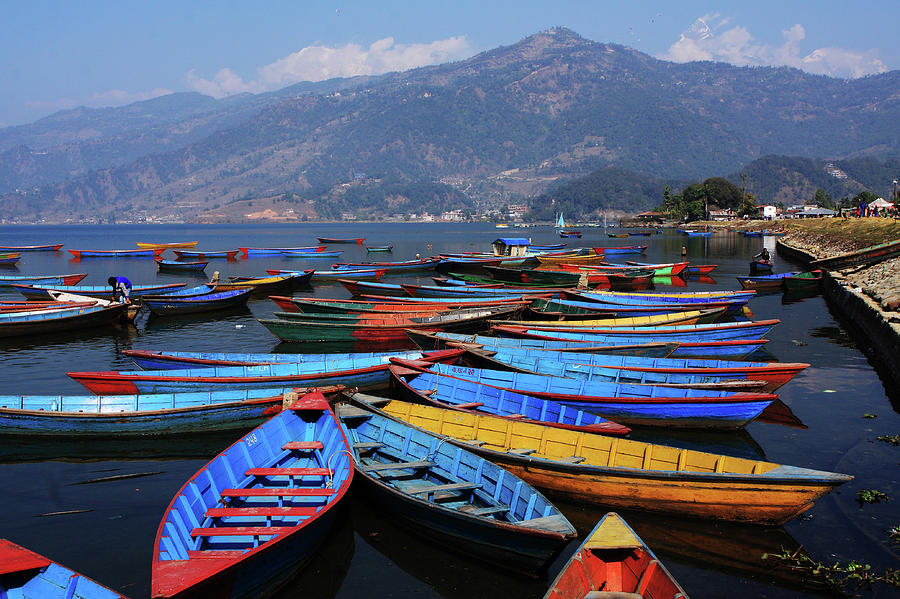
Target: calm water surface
(111, 536)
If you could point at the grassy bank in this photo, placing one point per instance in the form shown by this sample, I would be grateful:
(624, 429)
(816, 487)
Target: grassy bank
(847, 234)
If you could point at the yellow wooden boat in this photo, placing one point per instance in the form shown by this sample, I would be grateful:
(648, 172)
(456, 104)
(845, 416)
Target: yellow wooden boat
(673, 318)
(164, 246)
(620, 473)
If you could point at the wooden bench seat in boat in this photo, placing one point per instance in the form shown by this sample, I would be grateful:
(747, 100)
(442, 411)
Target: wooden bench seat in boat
(278, 492)
(225, 512)
(240, 531)
(396, 466)
(556, 522)
(443, 488)
(290, 472)
(366, 445)
(484, 511)
(303, 445)
(215, 554)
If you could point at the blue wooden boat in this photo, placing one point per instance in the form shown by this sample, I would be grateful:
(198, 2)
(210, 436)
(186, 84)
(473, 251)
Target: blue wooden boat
(734, 302)
(180, 266)
(379, 248)
(732, 347)
(73, 279)
(626, 249)
(574, 366)
(31, 248)
(752, 233)
(176, 360)
(451, 300)
(546, 247)
(400, 266)
(98, 291)
(431, 340)
(198, 303)
(699, 233)
(439, 291)
(459, 394)
(757, 266)
(452, 496)
(336, 275)
(26, 574)
(79, 254)
(311, 255)
(574, 309)
(724, 331)
(583, 294)
(490, 351)
(183, 292)
(140, 415)
(248, 520)
(14, 324)
(354, 372)
(204, 255)
(247, 251)
(631, 405)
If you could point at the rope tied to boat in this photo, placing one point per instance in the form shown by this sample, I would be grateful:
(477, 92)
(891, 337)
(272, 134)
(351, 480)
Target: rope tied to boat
(329, 482)
(434, 452)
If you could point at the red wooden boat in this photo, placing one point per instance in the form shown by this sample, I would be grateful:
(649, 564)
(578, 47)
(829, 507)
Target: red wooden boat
(24, 573)
(356, 240)
(613, 562)
(323, 305)
(117, 253)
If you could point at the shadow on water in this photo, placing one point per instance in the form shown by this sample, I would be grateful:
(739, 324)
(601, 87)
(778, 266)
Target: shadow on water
(448, 574)
(834, 335)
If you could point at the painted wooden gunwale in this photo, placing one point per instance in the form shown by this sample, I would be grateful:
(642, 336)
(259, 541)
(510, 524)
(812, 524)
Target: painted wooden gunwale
(349, 240)
(164, 246)
(180, 265)
(176, 360)
(195, 556)
(490, 522)
(328, 306)
(72, 279)
(625, 474)
(248, 251)
(99, 291)
(201, 255)
(116, 253)
(31, 248)
(677, 332)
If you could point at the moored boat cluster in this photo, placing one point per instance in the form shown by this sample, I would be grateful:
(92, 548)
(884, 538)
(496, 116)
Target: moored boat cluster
(464, 408)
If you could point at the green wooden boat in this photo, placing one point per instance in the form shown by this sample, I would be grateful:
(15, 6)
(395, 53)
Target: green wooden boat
(870, 255)
(803, 281)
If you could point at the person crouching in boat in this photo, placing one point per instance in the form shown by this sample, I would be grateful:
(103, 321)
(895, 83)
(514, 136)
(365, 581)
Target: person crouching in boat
(121, 289)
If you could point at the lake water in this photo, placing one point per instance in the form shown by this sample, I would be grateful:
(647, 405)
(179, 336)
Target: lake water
(110, 538)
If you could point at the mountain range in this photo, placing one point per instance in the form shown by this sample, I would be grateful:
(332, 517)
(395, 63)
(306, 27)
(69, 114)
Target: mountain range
(499, 127)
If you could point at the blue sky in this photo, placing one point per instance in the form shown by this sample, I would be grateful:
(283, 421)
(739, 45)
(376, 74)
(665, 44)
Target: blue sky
(57, 54)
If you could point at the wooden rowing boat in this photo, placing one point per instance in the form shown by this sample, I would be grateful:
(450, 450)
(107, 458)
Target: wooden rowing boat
(329, 306)
(352, 240)
(624, 474)
(43, 291)
(223, 300)
(453, 496)
(447, 392)
(624, 249)
(116, 253)
(180, 266)
(614, 562)
(175, 360)
(263, 286)
(73, 279)
(31, 248)
(355, 372)
(138, 415)
(870, 255)
(26, 574)
(251, 517)
(99, 314)
(400, 266)
(9, 258)
(248, 251)
(632, 405)
(165, 246)
(202, 255)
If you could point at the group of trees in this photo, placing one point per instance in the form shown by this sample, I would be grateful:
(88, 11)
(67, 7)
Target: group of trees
(696, 200)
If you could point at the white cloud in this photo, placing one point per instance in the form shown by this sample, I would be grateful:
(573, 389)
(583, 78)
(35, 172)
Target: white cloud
(709, 39)
(317, 63)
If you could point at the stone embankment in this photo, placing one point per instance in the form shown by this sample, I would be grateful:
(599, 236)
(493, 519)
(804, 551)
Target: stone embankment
(867, 297)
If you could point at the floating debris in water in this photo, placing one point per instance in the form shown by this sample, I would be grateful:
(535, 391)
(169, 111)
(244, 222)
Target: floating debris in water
(63, 513)
(106, 479)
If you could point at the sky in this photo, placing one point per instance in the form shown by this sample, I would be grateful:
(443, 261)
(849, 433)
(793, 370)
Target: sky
(60, 54)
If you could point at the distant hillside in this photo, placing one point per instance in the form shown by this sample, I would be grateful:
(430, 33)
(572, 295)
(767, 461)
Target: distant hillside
(508, 121)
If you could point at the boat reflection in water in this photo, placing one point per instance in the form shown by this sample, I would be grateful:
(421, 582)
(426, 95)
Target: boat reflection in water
(432, 570)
